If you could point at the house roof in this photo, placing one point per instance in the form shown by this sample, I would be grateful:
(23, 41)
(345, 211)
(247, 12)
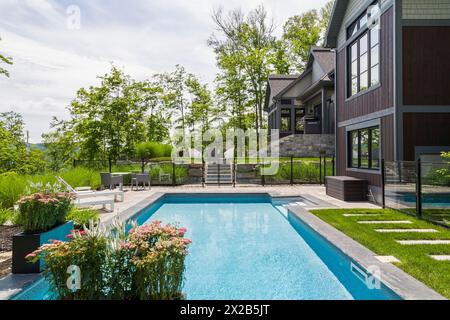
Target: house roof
(325, 57)
(337, 17)
(276, 84)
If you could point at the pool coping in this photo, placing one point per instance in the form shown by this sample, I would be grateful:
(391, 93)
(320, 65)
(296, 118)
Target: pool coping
(400, 282)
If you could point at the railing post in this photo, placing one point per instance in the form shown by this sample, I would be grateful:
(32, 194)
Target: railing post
(203, 173)
(333, 163)
(383, 182)
(174, 179)
(110, 164)
(263, 177)
(320, 170)
(419, 188)
(324, 169)
(292, 170)
(234, 174)
(218, 174)
(142, 165)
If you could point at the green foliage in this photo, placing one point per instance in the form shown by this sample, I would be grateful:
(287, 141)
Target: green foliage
(14, 155)
(82, 177)
(301, 32)
(5, 215)
(41, 212)
(83, 217)
(5, 60)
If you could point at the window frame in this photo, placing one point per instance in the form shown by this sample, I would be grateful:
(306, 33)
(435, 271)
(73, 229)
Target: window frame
(354, 39)
(350, 149)
(285, 116)
(298, 119)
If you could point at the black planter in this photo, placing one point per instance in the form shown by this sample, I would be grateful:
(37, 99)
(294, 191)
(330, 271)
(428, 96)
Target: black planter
(24, 244)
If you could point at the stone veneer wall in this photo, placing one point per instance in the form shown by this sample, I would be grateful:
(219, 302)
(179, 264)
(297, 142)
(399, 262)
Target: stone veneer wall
(307, 145)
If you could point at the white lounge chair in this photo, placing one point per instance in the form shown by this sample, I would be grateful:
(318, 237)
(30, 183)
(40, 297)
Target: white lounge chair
(94, 201)
(82, 193)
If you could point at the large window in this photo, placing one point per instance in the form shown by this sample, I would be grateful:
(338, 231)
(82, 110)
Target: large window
(299, 121)
(363, 56)
(285, 120)
(364, 148)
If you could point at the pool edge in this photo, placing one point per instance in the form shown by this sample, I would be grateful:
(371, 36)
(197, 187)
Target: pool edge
(400, 282)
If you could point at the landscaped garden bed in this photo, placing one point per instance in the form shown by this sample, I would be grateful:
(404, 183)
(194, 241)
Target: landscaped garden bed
(414, 259)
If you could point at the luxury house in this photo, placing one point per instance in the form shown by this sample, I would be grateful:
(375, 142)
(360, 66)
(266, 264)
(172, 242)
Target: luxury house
(392, 83)
(302, 107)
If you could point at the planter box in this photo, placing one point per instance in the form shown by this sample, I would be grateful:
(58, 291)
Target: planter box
(23, 244)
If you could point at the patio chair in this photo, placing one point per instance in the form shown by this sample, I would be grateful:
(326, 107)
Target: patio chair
(94, 201)
(140, 178)
(83, 193)
(110, 181)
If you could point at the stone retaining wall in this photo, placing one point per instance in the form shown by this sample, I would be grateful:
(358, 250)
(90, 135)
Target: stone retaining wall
(307, 145)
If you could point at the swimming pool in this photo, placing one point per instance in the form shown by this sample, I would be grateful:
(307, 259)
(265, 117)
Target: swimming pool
(244, 248)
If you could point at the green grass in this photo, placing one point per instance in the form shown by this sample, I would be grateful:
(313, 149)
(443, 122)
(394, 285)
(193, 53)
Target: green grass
(5, 215)
(414, 259)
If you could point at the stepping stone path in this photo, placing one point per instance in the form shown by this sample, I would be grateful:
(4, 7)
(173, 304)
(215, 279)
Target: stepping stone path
(440, 258)
(406, 230)
(430, 242)
(386, 222)
(387, 259)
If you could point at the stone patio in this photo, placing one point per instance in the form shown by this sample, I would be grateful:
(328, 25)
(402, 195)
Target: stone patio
(316, 196)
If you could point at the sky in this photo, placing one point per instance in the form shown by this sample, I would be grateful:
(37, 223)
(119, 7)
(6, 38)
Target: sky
(59, 46)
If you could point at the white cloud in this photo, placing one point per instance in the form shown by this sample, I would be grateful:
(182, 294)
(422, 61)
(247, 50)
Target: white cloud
(52, 62)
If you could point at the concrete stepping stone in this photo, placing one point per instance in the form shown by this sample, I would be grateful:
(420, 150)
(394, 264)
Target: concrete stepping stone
(386, 222)
(418, 242)
(361, 215)
(387, 259)
(440, 258)
(406, 230)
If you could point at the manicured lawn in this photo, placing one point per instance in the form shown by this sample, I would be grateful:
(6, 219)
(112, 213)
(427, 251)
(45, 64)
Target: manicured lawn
(414, 259)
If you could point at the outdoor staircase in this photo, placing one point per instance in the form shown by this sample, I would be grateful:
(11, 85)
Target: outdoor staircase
(218, 174)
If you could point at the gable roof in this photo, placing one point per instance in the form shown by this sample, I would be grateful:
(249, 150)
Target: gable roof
(325, 57)
(337, 17)
(276, 84)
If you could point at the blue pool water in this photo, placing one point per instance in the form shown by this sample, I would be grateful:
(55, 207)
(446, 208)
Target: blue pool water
(245, 248)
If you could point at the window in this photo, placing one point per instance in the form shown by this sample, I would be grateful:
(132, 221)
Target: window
(299, 121)
(364, 148)
(285, 120)
(286, 102)
(363, 57)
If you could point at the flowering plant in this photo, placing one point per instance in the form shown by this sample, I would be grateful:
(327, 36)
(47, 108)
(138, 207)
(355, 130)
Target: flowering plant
(147, 263)
(41, 211)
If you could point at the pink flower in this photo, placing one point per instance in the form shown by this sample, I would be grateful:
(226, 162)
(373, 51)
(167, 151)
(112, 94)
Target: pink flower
(182, 231)
(30, 256)
(187, 241)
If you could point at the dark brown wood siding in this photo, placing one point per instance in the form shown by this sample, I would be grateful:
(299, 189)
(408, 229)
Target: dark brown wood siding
(426, 65)
(424, 129)
(387, 152)
(379, 98)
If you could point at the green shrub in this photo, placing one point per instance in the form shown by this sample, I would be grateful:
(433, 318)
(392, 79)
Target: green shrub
(151, 150)
(82, 177)
(41, 212)
(5, 215)
(82, 217)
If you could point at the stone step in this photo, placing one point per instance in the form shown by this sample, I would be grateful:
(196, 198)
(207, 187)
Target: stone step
(387, 259)
(386, 222)
(419, 242)
(441, 257)
(406, 230)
